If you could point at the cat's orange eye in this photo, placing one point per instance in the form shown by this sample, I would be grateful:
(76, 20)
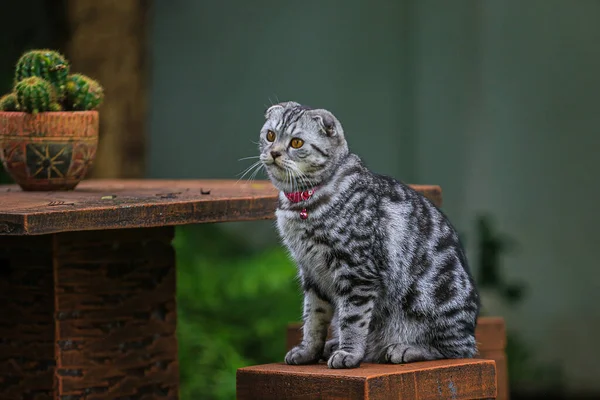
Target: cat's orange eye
(270, 136)
(296, 143)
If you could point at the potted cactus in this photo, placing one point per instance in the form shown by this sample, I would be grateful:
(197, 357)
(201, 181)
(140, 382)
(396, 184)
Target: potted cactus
(49, 123)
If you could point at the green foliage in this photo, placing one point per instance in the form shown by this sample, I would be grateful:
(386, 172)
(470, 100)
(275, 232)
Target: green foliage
(35, 94)
(47, 64)
(83, 93)
(491, 246)
(56, 107)
(523, 369)
(234, 304)
(9, 102)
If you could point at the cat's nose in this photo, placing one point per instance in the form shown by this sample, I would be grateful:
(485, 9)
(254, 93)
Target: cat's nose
(275, 154)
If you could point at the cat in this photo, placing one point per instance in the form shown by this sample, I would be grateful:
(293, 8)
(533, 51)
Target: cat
(376, 259)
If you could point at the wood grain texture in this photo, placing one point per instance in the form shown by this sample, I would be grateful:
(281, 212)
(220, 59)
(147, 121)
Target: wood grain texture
(116, 315)
(446, 379)
(116, 204)
(88, 316)
(490, 333)
(491, 342)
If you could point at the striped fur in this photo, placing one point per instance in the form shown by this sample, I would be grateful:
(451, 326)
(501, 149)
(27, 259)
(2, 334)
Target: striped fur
(376, 259)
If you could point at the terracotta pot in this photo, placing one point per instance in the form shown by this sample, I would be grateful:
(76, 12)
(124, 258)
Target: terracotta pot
(50, 150)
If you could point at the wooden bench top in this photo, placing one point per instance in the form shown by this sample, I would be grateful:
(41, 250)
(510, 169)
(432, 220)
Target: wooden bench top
(444, 380)
(112, 204)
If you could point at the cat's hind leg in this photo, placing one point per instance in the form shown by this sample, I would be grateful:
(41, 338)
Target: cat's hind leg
(400, 353)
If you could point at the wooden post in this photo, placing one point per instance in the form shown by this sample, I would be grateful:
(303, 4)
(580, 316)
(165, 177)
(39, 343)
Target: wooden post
(88, 314)
(108, 42)
(27, 361)
(443, 380)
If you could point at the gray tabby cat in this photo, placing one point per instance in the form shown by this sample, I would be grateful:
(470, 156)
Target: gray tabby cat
(376, 259)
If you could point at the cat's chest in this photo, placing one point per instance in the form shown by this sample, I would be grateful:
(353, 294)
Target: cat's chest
(306, 240)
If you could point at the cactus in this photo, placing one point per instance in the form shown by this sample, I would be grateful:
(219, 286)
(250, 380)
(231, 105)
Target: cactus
(83, 93)
(43, 83)
(46, 64)
(55, 107)
(9, 102)
(35, 94)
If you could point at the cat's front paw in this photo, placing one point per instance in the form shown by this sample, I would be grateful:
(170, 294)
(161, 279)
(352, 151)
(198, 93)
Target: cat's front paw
(300, 355)
(344, 359)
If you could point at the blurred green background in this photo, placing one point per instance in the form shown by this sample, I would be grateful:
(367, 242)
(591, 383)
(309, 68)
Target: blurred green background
(496, 101)
(234, 303)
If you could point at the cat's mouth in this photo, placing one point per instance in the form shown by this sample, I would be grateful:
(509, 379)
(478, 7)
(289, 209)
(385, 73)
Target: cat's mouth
(273, 163)
(276, 171)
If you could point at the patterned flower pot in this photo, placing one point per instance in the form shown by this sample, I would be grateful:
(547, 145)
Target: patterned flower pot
(50, 150)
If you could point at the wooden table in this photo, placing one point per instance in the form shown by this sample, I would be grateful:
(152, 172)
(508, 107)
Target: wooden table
(87, 283)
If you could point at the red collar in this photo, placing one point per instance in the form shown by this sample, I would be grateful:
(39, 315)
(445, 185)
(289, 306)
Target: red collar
(297, 197)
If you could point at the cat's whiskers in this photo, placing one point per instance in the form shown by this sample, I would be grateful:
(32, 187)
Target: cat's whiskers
(305, 181)
(248, 158)
(288, 176)
(288, 165)
(256, 171)
(292, 179)
(254, 167)
(248, 169)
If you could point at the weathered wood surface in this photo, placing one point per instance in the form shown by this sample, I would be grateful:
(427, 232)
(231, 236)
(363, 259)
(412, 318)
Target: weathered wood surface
(491, 343)
(443, 380)
(115, 204)
(88, 316)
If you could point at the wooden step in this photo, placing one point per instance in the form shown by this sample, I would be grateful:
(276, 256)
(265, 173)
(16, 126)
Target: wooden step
(491, 342)
(443, 380)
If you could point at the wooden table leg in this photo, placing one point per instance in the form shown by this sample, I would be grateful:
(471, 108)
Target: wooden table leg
(88, 315)
(26, 318)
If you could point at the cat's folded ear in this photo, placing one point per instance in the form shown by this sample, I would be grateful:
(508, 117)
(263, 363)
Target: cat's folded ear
(271, 109)
(326, 120)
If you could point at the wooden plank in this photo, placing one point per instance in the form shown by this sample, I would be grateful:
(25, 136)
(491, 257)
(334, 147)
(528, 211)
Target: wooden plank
(491, 342)
(117, 204)
(116, 315)
(88, 315)
(445, 379)
(490, 334)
